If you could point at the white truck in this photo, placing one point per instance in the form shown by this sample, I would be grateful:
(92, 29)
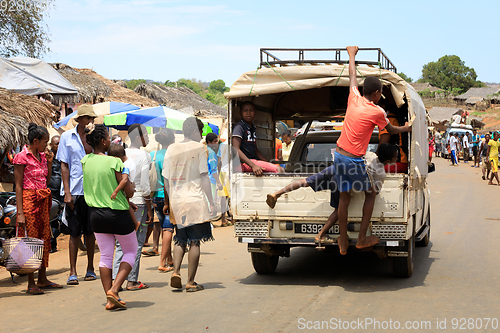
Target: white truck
(306, 90)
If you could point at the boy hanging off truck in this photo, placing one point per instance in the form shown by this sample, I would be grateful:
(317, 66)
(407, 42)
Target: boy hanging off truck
(325, 180)
(362, 115)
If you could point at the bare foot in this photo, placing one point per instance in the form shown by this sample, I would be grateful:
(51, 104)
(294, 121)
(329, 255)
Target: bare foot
(343, 245)
(271, 200)
(367, 242)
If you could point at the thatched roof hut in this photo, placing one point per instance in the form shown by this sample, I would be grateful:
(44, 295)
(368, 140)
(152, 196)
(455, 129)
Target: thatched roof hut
(441, 116)
(118, 92)
(476, 95)
(90, 90)
(16, 112)
(424, 86)
(32, 109)
(182, 99)
(16, 133)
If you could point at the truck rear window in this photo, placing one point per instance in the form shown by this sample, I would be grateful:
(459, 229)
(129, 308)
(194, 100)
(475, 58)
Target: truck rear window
(323, 152)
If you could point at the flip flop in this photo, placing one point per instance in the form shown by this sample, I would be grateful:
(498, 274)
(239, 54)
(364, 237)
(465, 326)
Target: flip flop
(90, 276)
(117, 302)
(196, 287)
(72, 280)
(175, 281)
(35, 291)
(151, 253)
(165, 269)
(138, 286)
(51, 285)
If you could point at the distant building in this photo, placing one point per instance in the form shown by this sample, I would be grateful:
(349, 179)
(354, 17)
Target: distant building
(476, 95)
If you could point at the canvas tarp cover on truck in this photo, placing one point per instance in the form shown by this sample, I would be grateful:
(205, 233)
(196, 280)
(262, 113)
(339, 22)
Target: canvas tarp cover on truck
(33, 77)
(267, 81)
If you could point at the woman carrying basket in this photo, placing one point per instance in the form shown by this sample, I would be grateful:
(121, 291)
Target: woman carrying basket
(32, 172)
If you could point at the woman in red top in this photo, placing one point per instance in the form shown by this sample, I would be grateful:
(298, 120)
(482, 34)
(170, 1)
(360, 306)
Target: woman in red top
(32, 172)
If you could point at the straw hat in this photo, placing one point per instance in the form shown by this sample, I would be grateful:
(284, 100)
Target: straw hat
(86, 110)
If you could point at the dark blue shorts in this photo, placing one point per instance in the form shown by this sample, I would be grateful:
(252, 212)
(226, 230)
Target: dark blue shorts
(325, 180)
(350, 173)
(158, 204)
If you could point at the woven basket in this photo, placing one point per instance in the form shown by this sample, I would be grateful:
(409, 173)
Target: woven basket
(23, 255)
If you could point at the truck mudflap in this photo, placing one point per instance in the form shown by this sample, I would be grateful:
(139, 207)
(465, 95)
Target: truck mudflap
(309, 241)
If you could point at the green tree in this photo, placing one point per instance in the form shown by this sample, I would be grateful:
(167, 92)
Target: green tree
(405, 77)
(191, 84)
(132, 84)
(22, 31)
(217, 85)
(451, 74)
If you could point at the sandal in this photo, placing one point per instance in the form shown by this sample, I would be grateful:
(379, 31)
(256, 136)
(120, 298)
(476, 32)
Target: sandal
(196, 287)
(72, 280)
(165, 269)
(151, 253)
(117, 302)
(51, 285)
(35, 291)
(138, 286)
(90, 276)
(175, 281)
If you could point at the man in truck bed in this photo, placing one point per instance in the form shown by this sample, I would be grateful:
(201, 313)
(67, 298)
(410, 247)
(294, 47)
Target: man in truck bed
(362, 115)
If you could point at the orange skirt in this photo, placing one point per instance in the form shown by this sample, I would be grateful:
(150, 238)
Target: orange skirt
(36, 208)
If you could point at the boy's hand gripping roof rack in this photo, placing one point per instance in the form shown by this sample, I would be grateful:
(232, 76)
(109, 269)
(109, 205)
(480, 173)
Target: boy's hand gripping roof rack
(268, 59)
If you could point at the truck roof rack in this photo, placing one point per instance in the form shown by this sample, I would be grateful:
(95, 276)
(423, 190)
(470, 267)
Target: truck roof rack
(268, 59)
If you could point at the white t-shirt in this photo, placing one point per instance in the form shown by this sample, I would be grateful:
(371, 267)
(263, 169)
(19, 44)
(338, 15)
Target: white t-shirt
(130, 166)
(142, 162)
(223, 155)
(453, 143)
(183, 165)
(375, 170)
(465, 142)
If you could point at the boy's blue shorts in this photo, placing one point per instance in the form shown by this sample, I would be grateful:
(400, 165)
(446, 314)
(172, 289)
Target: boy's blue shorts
(325, 180)
(350, 173)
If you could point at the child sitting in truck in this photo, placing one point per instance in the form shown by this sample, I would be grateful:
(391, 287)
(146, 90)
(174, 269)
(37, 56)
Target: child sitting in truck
(324, 180)
(244, 140)
(362, 115)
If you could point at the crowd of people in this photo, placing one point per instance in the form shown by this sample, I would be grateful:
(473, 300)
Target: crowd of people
(481, 150)
(109, 196)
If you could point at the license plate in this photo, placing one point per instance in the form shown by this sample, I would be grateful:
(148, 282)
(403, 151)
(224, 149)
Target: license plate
(314, 228)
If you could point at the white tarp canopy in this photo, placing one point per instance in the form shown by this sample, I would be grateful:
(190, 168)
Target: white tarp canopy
(32, 77)
(286, 79)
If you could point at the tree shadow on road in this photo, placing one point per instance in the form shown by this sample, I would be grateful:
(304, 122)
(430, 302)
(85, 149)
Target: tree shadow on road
(356, 272)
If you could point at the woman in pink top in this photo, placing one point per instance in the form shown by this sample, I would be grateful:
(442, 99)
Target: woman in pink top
(32, 172)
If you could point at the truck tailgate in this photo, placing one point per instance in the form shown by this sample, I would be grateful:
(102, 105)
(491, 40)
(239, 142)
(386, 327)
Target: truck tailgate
(249, 195)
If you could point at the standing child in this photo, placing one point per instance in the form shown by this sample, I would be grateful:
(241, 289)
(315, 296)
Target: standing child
(362, 115)
(32, 172)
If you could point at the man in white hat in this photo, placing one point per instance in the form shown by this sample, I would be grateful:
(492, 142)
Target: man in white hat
(72, 148)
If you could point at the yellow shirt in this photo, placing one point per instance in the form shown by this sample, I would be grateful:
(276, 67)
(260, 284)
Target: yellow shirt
(493, 149)
(285, 150)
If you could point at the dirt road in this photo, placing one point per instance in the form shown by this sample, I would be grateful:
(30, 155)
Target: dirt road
(455, 277)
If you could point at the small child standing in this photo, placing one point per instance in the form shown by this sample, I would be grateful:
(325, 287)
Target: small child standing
(128, 172)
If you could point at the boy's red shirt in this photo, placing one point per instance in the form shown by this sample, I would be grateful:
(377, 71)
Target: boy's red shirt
(361, 118)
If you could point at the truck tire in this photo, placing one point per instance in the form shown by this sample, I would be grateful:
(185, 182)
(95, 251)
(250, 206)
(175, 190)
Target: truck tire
(264, 264)
(403, 266)
(425, 241)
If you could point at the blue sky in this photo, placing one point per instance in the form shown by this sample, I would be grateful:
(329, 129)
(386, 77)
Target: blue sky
(208, 40)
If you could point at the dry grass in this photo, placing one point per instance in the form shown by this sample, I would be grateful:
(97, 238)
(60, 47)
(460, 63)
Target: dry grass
(14, 130)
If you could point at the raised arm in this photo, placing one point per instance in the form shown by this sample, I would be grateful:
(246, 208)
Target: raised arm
(352, 50)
